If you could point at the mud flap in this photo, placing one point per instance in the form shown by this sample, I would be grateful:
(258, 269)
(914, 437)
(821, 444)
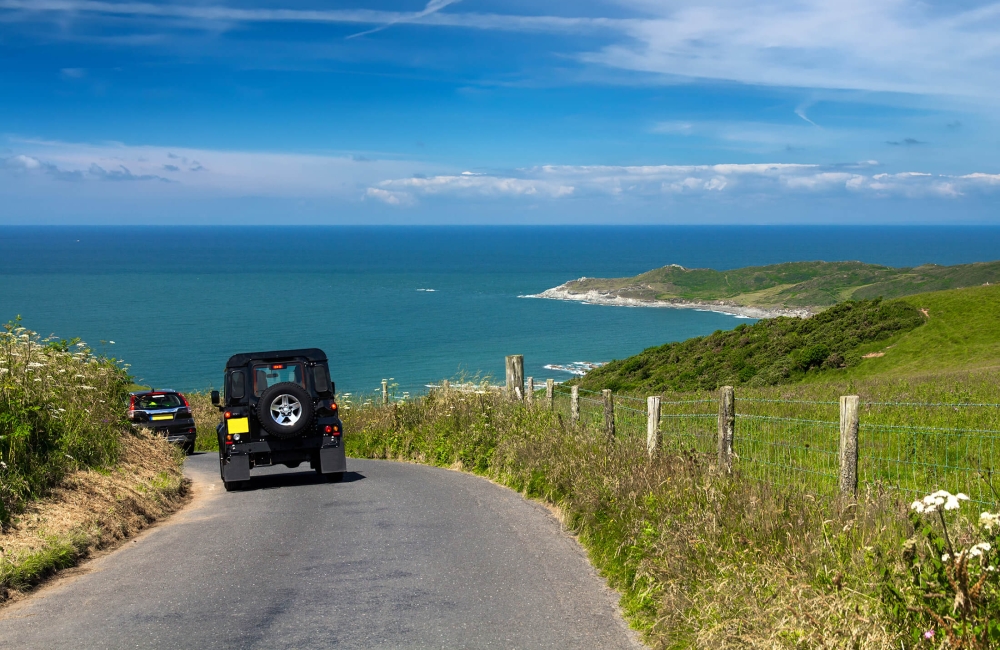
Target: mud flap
(237, 469)
(332, 459)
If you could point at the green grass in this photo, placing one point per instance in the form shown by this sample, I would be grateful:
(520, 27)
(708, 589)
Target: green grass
(962, 333)
(793, 284)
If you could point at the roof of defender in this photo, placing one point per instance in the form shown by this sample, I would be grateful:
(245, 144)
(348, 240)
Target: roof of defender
(241, 360)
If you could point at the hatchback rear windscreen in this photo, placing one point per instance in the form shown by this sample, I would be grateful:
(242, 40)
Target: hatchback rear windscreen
(153, 402)
(276, 373)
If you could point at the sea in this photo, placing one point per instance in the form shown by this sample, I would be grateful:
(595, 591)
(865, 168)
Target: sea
(412, 305)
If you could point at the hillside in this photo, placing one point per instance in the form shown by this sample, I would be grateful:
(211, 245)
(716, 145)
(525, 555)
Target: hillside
(792, 289)
(933, 332)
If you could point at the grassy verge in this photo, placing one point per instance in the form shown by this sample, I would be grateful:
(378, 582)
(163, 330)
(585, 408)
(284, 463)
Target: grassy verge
(74, 476)
(91, 510)
(701, 560)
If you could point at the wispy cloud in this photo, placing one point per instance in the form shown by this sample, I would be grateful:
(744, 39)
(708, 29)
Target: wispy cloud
(433, 6)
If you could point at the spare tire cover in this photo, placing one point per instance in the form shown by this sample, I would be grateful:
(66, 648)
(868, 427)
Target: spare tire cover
(285, 410)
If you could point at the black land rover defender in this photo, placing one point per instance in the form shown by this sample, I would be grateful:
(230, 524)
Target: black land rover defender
(278, 409)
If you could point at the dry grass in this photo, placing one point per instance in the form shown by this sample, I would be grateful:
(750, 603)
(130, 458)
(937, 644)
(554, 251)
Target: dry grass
(91, 510)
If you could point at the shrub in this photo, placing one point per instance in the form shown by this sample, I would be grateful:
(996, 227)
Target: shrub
(61, 409)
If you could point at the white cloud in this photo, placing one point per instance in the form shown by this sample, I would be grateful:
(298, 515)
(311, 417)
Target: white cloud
(155, 171)
(650, 181)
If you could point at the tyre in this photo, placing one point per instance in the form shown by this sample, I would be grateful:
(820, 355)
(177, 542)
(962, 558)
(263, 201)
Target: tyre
(285, 410)
(233, 486)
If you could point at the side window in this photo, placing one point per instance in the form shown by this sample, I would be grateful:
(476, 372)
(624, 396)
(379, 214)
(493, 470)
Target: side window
(238, 385)
(320, 379)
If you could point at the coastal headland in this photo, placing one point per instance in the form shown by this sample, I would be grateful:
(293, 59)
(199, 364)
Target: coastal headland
(795, 289)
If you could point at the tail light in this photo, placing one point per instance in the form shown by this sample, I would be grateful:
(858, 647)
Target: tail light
(228, 414)
(185, 400)
(131, 406)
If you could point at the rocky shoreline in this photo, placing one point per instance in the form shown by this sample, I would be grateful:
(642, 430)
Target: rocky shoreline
(595, 297)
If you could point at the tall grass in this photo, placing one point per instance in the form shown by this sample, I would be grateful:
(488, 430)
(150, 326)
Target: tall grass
(61, 408)
(702, 559)
(918, 434)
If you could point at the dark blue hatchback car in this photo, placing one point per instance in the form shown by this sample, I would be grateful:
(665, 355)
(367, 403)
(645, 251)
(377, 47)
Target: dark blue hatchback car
(167, 413)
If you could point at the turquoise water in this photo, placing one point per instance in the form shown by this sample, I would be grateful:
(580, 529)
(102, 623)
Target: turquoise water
(178, 301)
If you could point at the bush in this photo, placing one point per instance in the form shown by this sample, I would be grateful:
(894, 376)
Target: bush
(61, 408)
(769, 352)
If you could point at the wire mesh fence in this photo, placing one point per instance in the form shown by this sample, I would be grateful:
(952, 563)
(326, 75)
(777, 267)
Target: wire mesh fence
(911, 447)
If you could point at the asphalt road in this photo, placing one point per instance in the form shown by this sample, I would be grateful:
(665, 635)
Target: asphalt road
(396, 556)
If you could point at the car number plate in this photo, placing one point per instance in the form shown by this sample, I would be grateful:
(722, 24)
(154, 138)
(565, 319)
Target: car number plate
(239, 425)
(163, 417)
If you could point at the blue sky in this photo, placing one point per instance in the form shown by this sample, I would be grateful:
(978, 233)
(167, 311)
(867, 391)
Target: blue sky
(628, 111)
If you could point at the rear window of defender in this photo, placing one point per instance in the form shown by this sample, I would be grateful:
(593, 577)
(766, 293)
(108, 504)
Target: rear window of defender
(266, 375)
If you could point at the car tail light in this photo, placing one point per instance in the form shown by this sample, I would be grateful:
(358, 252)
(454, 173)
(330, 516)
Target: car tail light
(228, 414)
(336, 431)
(229, 438)
(184, 399)
(328, 429)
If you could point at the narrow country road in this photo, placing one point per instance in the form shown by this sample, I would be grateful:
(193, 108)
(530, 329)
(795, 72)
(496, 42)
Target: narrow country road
(396, 556)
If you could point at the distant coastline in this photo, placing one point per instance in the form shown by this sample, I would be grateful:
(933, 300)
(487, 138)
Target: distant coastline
(611, 298)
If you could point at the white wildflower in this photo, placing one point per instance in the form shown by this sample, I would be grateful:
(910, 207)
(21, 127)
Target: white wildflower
(88, 387)
(81, 344)
(78, 376)
(989, 521)
(979, 549)
(3, 371)
(952, 501)
(945, 557)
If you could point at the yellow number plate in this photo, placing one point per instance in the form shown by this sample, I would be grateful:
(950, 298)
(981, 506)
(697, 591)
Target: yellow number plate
(163, 417)
(238, 425)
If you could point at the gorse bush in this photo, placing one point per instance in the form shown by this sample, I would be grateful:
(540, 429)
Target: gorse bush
(61, 409)
(769, 352)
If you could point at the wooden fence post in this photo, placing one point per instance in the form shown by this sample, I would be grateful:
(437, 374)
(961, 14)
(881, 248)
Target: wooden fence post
(574, 403)
(529, 392)
(515, 376)
(609, 412)
(727, 424)
(550, 393)
(654, 439)
(849, 423)
(385, 392)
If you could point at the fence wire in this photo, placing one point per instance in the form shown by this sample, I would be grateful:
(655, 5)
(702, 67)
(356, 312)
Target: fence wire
(911, 447)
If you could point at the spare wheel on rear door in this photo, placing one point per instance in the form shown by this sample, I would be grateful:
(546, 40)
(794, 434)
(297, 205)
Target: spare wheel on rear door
(285, 409)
